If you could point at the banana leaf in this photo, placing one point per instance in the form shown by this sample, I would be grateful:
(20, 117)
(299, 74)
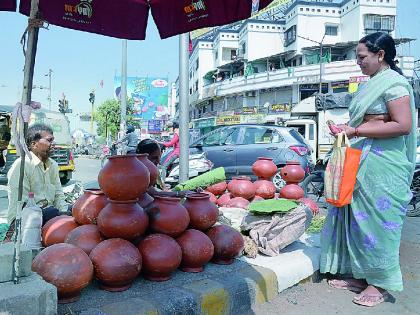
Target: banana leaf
(264, 207)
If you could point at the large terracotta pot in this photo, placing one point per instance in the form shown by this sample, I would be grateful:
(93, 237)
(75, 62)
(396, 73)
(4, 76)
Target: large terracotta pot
(145, 200)
(264, 168)
(117, 263)
(65, 266)
(213, 198)
(292, 173)
(86, 209)
(124, 177)
(311, 204)
(265, 189)
(56, 230)
(228, 243)
(242, 186)
(292, 191)
(238, 202)
(123, 219)
(144, 158)
(203, 213)
(224, 199)
(161, 256)
(217, 189)
(197, 250)
(85, 237)
(168, 216)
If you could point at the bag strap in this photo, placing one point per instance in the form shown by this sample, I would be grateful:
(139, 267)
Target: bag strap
(342, 140)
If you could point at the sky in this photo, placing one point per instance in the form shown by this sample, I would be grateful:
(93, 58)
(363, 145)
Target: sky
(80, 61)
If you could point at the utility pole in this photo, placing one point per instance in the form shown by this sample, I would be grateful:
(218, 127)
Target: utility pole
(92, 101)
(49, 87)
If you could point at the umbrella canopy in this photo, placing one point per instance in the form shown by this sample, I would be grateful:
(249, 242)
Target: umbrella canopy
(128, 18)
(7, 5)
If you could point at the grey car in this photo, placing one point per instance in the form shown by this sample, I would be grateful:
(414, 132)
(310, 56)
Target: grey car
(237, 147)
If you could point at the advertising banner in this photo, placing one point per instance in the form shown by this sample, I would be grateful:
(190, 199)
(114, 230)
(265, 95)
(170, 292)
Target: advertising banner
(155, 126)
(228, 120)
(280, 108)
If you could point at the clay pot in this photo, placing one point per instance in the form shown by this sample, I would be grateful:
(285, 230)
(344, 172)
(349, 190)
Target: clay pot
(264, 168)
(228, 243)
(292, 173)
(217, 189)
(123, 219)
(224, 199)
(292, 191)
(203, 213)
(238, 202)
(311, 204)
(265, 189)
(86, 209)
(213, 198)
(124, 177)
(85, 237)
(153, 171)
(117, 263)
(161, 256)
(145, 200)
(242, 186)
(197, 250)
(168, 216)
(56, 230)
(65, 266)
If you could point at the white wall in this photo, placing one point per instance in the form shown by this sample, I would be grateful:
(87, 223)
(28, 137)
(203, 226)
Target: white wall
(264, 43)
(223, 41)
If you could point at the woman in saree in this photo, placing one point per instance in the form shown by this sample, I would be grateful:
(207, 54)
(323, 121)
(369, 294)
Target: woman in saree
(360, 242)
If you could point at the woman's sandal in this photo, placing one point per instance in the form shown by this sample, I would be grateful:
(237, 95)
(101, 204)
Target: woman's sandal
(346, 285)
(370, 300)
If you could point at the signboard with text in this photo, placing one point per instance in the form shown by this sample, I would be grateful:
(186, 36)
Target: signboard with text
(280, 108)
(155, 126)
(228, 120)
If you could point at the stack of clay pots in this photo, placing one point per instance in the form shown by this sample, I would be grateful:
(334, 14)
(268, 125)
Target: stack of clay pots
(113, 239)
(292, 174)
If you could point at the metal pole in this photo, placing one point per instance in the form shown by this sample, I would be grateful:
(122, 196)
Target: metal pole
(320, 63)
(26, 99)
(49, 88)
(123, 103)
(91, 117)
(183, 107)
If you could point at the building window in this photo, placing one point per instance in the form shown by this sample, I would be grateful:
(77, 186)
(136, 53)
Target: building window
(318, 10)
(379, 23)
(307, 9)
(290, 36)
(216, 55)
(196, 64)
(301, 9)
(331, 30)
(233, 54)
(196, 85)
(243, 48)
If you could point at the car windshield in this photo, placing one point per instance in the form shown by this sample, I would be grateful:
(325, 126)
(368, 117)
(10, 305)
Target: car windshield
(298, 137)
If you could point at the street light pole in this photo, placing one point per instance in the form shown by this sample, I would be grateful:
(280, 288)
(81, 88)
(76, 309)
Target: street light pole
(49, 88)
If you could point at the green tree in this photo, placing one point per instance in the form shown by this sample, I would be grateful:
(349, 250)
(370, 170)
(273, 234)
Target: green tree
(108, 117)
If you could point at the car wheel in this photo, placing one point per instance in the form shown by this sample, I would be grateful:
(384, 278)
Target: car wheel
(278, 181)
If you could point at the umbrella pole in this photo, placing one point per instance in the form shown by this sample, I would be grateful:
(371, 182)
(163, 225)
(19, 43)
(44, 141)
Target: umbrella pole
(123, 102)
(183, 108)
(26, 99)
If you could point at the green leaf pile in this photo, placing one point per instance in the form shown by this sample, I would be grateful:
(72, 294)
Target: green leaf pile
(272, 206)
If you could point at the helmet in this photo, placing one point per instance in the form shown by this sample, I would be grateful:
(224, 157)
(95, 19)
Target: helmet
(130, 129)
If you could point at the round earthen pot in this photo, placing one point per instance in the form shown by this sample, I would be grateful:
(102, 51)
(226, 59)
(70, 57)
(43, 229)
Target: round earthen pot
(311, 204)
(124, 177)
(265, 188)
(123, 219)
(197, 250)
(238, 202)
(144, 158)
(65, 266)
(228, 244)
(56, 230)
(242, 186)
(145, 200)
(168, 216)
(161, 256)
(117, 263)
(87, 207)
(85, 237)
(203, 213)
(292, 191)
(213, 198)
(224, 199)
(264, 168)
(217, 189)
(292, 173)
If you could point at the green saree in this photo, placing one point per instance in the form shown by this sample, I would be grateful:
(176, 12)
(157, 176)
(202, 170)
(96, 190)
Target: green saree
(363, 239)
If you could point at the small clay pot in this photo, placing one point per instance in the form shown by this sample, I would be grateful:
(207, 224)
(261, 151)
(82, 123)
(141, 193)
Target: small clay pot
(144, 158)
(65, 266)
(292, 173)
(87, 207)
(228, 244)
(217, 189)
(265, 189)
(117, 263)
(213, 198)
(197, 250)
(123, 219)
(56, 230)
(292, 191)
(264, 168)
(242, 186)
(85, 237)
(224, 199)
(202, 212)
(238, 202)
(161, 256)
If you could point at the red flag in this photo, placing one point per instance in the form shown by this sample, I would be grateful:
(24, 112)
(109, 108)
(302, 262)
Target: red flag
(190, 44)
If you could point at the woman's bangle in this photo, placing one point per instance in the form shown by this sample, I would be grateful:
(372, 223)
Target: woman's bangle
(356, 132)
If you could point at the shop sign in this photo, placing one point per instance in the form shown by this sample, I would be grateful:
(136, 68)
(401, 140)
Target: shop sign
(340, 86)
(204, 123)
(228, 120)
(252, 119)
(355, 81)
(280, 108)
(155, 126)
(248, 111)
(227, 113)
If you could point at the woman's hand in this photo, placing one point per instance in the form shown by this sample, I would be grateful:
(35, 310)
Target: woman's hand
(350, 131)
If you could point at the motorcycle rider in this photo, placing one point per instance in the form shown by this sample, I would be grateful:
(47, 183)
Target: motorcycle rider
(173, 143)
(130, 140)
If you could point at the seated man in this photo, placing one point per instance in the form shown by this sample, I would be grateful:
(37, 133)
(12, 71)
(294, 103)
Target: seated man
(41, 176)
